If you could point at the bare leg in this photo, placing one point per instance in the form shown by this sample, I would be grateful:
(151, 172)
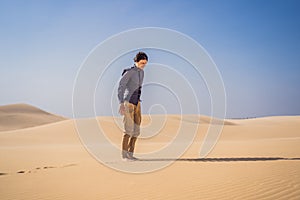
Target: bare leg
(125, 146)
(132, 144)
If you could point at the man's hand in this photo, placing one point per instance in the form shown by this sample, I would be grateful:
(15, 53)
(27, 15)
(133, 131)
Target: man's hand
(122, 109)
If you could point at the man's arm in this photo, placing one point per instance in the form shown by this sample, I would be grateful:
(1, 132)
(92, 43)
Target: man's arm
(121, 90)
(122, 86)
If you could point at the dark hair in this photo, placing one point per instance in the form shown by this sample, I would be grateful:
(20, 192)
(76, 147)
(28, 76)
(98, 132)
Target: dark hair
(140, 56)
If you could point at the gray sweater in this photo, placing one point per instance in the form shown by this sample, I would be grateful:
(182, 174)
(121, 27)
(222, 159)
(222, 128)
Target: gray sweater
(130, 85)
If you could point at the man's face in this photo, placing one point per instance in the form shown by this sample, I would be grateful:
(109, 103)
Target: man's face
(141, 64)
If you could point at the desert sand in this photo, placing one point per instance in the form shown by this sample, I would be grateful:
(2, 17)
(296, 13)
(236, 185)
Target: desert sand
(42, 157)
(18, 116)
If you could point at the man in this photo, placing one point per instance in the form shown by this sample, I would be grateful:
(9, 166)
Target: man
(129, 93)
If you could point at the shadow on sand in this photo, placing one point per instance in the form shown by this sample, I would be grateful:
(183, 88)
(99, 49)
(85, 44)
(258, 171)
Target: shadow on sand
(220, 159)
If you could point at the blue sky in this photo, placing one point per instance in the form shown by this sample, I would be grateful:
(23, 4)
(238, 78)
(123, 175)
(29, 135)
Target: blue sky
(255, 44)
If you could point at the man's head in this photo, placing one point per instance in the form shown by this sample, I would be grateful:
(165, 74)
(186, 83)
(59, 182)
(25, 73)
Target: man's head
(141, 59)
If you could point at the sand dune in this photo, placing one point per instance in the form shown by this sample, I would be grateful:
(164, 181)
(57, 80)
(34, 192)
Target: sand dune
(253, 159)
(18, 116)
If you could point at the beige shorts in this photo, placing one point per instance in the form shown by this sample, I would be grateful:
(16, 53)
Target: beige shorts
(132, 119)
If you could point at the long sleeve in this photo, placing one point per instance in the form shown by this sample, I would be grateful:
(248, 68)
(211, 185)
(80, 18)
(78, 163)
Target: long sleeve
(122, 86)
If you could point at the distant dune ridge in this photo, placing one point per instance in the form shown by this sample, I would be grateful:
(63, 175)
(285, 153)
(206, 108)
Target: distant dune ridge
(18, 116)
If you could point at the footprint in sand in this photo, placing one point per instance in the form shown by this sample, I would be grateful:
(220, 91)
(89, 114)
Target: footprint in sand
(37, 169)
(43, 168)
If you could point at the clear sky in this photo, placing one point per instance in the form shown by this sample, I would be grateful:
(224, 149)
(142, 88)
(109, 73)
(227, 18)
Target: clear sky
(255, 45)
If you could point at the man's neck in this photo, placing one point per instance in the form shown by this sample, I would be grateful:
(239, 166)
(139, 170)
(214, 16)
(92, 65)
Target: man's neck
(137, 66)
